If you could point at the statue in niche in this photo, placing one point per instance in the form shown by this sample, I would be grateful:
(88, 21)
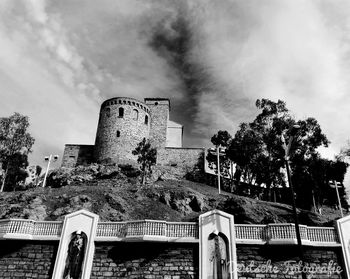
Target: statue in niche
(75, 256)
(218, 256)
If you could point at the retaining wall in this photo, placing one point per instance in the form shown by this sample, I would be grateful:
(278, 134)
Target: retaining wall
(282, 261)
(145, 260)
(27, 259)
(153, 260)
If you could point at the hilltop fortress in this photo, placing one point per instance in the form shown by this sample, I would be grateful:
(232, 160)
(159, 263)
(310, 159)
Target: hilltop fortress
(123, 123)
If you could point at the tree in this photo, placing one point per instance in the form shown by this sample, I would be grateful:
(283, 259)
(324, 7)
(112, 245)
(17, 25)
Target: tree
(38, 170)
(258, 152)
(221, 140)
(16, 171)
(345, 152)
(147, 157)
(14, 141)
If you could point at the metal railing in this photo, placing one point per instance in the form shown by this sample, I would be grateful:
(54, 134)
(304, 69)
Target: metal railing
(249, 234)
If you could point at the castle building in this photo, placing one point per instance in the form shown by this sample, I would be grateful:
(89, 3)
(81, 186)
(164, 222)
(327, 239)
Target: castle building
(123, 123)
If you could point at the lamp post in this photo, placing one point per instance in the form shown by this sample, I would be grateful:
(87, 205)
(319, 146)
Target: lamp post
(287, 147)
(48, 159)
(334, 184)
(218, 151)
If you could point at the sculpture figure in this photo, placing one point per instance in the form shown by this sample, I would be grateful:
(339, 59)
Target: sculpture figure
(218, 257)
(75, 256)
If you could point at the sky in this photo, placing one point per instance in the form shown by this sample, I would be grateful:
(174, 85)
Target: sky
(59, 60)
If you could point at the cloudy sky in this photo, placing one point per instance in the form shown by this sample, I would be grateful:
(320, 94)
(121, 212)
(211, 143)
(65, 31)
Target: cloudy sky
(213, 58)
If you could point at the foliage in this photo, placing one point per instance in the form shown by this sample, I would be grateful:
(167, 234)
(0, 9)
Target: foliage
(312, 176)
(16, 171)
(257, 149)
(345, 152)
(222, 141)
(15, 144)
(147, 157)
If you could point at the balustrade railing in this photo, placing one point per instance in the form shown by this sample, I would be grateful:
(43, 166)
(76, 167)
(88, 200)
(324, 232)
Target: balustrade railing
(45, 228)
(250, 232)
(21, 228)
(182, 229)
(322, 234)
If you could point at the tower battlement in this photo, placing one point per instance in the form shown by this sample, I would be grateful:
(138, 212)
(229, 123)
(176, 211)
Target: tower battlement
(123, 123)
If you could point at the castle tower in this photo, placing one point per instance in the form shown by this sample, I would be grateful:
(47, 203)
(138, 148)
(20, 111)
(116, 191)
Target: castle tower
(159, 111)
(123, 123)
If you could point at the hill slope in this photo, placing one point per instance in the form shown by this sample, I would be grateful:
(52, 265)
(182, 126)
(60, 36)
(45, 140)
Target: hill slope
(115, 197)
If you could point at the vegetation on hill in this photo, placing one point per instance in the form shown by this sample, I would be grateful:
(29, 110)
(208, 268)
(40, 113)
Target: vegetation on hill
(116, 194)
(15, 145)
(258, 151)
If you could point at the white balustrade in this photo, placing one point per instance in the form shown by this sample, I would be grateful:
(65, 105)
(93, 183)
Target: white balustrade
(322, 234)
(111, 229)
(249, 234)
(182, 229)
(47, 228)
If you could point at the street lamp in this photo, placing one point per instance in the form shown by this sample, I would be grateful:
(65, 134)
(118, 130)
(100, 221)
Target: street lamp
(336, 184)
(293, 131)
(48, 159)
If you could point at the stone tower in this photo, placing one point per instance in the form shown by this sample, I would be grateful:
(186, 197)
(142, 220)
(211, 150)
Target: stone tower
(123, 123)
(159, 111)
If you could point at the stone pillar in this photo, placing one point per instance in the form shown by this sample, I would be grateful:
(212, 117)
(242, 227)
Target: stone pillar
(84, 223)
(343, 227)
(217, 246)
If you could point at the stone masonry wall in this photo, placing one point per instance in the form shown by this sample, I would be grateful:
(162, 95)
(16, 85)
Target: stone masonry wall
(24, 259)
(159, 120)
(182, 157)
(269, 256)
(145, 260)
(117, 135)
(159, 260)
(77, 154)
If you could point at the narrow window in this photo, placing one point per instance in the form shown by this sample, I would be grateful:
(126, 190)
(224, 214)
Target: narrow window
(146, 119)
(118, 134)
(135, 114)
(108, 112)
(121, 112)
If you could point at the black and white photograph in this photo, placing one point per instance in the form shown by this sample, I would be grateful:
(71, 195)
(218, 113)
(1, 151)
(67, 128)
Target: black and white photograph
(174, 139)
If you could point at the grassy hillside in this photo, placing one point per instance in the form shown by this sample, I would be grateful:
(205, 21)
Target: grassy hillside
(115, 197)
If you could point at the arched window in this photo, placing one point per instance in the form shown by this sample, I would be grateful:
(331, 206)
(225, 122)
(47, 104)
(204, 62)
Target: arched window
(108, 112)
(118, 134)
(121, 112)
(146, 119)
(135, 114)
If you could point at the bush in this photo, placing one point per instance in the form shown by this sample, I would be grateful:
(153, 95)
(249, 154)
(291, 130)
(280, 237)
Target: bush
(129, 170)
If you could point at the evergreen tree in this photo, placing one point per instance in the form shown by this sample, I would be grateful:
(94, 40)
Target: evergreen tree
(147, 157)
